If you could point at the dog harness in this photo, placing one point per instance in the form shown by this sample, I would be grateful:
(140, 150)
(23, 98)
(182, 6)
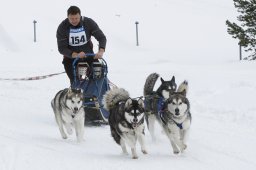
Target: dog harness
(163, 116)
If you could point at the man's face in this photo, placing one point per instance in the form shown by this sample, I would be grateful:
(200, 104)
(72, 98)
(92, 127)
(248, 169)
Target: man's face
(74, 19)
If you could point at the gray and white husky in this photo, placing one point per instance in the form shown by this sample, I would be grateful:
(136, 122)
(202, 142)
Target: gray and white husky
(154, 99)
(69, 112)
(126, 119)
(176, 118)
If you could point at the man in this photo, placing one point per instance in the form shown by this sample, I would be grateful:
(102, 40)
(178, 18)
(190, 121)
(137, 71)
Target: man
(74, 39)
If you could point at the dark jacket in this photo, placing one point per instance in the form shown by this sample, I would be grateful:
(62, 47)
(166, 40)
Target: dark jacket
(91, 29)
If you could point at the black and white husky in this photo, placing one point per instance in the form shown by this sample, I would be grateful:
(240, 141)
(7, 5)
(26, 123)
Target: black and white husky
(176, 118)
(154, 99)
(69, 112)
(126, 119)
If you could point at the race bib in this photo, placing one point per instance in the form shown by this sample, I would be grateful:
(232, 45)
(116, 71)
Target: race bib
(77, 36)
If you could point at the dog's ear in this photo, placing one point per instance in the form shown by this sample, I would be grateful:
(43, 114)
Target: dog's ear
(81, 94)
(128, 102)
(183, 87)
(162, 80)
(173, 79)
(184, 92)
(141, 103)
(166, 102)
(69, 91)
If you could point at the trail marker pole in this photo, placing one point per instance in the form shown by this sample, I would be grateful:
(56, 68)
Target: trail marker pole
(34, 30)
(137, 34)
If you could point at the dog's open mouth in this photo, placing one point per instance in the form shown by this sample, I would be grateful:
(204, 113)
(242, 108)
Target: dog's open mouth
(134, 125)
(73, 114)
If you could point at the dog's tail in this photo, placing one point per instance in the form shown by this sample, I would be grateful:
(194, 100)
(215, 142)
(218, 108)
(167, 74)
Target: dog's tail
(150, 83)
(183, 87)
(114, 96)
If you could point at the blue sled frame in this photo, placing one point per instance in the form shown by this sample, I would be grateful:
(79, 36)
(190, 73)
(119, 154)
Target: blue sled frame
(94, 87)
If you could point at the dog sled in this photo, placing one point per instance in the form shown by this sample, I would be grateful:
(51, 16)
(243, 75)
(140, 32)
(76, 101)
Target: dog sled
(92, 79)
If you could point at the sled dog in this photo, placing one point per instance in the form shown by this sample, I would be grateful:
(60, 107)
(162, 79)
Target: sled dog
(154, 99)
(126, 119)
(68, 108)
(175, 118)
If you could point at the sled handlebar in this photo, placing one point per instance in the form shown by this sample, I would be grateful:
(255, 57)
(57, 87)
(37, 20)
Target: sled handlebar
(87, 55)
(90, 56)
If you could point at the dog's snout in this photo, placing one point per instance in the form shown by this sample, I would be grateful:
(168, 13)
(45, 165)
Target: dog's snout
(76, 109)
(177, 111)
(135, 120)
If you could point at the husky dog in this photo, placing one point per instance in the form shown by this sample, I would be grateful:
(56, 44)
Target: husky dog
(154, 99)
(68, 109)
(126, 119)
(163, 90)
(175, 118)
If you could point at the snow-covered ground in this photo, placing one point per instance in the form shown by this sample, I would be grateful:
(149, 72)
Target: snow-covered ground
(184, 38)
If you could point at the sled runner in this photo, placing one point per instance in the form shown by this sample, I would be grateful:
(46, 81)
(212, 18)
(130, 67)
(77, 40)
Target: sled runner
(92, 78)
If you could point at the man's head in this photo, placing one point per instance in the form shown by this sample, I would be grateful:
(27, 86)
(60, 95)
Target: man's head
(74, 15)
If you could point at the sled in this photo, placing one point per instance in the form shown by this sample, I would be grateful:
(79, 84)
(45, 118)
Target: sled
(92, 78)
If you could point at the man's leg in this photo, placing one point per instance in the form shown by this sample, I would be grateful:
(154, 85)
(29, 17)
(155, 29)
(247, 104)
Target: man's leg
(67, 62)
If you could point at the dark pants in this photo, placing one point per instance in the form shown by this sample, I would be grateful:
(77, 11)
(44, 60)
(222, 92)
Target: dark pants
(68, 66)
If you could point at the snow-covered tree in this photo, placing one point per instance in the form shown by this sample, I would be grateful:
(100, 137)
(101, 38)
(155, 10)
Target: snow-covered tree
(246, 32)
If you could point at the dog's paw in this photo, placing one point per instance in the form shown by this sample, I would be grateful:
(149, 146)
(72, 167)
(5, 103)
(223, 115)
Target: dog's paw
(64, 136)
(183, 147)
(135, 157)
(144, 151)
(176, 152)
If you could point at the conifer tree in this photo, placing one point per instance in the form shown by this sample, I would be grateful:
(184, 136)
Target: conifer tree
(246, 32)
